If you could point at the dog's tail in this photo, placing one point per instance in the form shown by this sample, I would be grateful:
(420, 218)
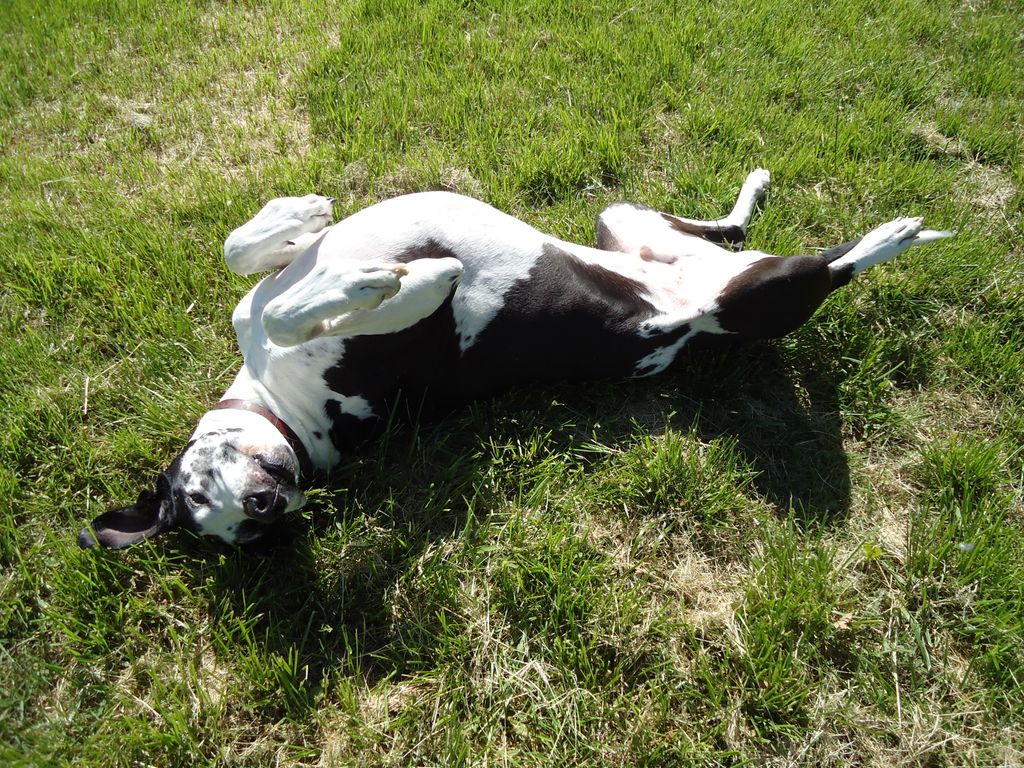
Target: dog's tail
(931, 235)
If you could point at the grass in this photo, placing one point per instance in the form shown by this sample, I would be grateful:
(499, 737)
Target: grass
(808, 553)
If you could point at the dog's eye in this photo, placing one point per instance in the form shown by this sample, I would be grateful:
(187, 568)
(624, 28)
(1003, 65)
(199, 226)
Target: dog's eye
(199, 499)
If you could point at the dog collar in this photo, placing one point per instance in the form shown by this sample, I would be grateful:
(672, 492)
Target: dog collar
(305, 464)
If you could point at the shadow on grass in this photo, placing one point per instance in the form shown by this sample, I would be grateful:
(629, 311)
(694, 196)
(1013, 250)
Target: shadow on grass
(363, 585)
(785, 418)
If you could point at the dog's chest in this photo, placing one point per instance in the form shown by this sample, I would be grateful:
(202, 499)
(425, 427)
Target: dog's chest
(344, 390)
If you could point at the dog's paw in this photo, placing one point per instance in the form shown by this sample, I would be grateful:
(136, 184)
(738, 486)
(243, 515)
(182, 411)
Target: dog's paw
(898, 233)
(880, 244)
(760, 179)
(334, 289)
(330, 292)
(373, 285)
(425, 285)
(268, 239)
(299, 215)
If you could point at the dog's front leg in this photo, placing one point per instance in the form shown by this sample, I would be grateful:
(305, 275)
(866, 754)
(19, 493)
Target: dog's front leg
(347, 298)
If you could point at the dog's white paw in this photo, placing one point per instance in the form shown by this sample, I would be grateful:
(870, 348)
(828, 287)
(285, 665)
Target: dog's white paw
(881, 244)
(335, 291)
(898, 233)
(267, 240)
(298, 215)
(330, 291)
(426, 284)
(374, 284)
(759, 179)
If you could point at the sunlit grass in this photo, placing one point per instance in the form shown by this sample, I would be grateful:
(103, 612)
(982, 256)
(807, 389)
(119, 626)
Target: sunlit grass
(807, 552)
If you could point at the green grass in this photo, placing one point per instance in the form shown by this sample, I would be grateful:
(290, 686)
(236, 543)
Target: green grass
(807, 553)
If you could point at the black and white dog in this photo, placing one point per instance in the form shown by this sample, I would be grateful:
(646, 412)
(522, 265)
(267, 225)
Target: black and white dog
(438, 299)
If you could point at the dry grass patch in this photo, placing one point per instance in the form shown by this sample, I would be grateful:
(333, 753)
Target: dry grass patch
(708, 592)
(990, 187)
(984, 185)
(223, 103)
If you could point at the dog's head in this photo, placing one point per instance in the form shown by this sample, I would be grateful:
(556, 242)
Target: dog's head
(229, 482)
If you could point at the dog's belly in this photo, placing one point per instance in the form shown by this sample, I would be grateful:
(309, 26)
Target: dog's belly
(553, 326)
(530, 309)
(347, 390)
(567, 320)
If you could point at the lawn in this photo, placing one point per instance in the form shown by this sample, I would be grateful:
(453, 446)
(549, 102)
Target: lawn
(809, 552)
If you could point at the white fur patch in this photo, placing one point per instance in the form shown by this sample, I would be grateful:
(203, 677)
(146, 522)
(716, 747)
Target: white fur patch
(661, 358)
(354, 405)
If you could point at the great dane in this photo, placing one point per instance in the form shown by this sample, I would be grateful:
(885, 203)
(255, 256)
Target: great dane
(424, 302)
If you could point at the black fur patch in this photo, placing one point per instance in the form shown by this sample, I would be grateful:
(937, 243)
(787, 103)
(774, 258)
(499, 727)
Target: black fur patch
(390, 369)
(773, 296)
(431, 249)
(731, 236)
(841, 276)
(174, 478)
(831, 254)
(567, 320)
(606, 241)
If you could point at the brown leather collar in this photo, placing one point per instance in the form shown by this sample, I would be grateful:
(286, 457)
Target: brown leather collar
(305, 465)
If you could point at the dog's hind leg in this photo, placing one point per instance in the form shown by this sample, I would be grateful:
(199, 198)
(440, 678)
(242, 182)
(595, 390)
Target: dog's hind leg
(774, 296)
(662, 237)
(284, 228)
(347, 298)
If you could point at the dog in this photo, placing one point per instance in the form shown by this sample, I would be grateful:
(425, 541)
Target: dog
(424, 302)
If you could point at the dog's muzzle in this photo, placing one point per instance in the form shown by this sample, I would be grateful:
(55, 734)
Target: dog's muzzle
(265, 506)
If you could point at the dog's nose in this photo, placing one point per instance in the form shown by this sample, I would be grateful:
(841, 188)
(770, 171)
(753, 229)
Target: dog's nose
(265, 506)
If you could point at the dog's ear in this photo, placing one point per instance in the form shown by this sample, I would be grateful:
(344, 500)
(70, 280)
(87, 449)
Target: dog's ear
(152, 514)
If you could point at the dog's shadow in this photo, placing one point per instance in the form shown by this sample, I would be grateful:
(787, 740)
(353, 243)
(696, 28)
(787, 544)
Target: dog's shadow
(334, 590)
